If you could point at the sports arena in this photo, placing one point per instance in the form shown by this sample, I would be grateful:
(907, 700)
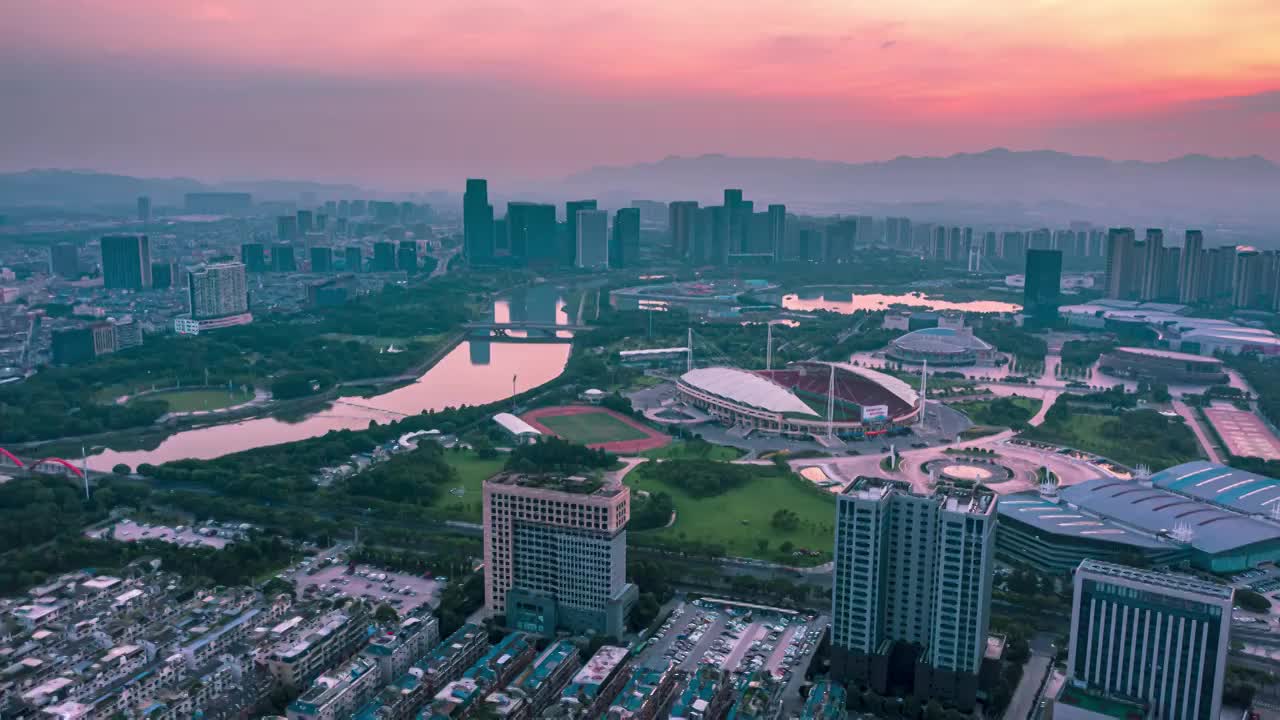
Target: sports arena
(808, 400)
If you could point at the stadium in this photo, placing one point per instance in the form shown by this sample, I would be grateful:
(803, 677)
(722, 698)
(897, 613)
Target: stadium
(941, 346)
(808, 400)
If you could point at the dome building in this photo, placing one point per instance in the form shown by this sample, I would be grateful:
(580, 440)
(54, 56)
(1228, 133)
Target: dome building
(941, 346)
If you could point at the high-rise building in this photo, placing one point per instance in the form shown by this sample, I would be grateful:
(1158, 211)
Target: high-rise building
(144, 209)
(532, 231)
(569, 250)
(682, 220)
(305, 223)
(287, 228)
(1246, 278)
(477, 222)
(913, 575)
(254, 257)
(407, 256)
(938, 247)
(1152, 261)
(1157, 637)
(82, 344)
(1042, 289)
(624, 244)
(217, 290)
(1170, 260)
(1189, 264)
(64, 260)
(898, 233)
(164, 275)
(1122, 261)
(321, 259)
(384, 257)
(555, 551)
(1013, 245)
(354, 258)
(282, 259)
(592, 229)
(841, 237)
(1040, 239)
(126, 262)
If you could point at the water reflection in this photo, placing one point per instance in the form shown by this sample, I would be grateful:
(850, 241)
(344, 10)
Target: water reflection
(835, 301)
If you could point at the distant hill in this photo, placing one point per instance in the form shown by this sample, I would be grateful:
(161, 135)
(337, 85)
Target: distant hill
(86, 189)
(1057, 186)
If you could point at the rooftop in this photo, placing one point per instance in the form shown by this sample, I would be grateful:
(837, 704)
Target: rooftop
(747, 388)
(1169, 355)
(1222, 486)
(1058, 519)
(1168, 581)
(1098, 702)
(515, 425)
(572, 484)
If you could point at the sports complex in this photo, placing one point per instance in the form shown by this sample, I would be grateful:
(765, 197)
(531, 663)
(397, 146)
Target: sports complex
(805, 401)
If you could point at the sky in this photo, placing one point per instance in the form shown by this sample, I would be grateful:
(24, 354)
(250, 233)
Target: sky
(418, 94)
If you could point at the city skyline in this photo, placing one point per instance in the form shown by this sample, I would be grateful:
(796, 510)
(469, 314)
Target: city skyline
(427, 93)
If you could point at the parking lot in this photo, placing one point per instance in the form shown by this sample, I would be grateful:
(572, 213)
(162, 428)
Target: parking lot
(738, 638)
(212, 535)
(401, 591)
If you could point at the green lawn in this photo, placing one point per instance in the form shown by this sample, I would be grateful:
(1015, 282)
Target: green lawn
(1136, 437)
(1000, 411)
(472, 472)
(694, 450)
(740, 519)
(201, 399)
(591, 428)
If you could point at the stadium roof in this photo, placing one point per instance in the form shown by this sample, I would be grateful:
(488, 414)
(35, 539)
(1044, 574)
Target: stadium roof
(941, 340)
(747, 388)
(1156, 511)
(899, 388)
(1223, 486)
(515, 425)
(1169, 355)
(1056, 518)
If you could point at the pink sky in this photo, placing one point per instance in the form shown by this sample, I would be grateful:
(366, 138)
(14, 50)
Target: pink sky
(427, 91)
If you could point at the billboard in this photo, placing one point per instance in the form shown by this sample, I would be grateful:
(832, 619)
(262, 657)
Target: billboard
(872, 413)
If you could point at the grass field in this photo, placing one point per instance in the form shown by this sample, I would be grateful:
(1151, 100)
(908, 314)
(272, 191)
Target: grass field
(472, 472)
(696, 450)
(981, 411)
(591, 428)
(740, 519)
(197, 400)
(1172, 444)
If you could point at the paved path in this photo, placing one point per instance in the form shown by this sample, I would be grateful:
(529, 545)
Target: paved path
(1024, 696)
(1189, 415)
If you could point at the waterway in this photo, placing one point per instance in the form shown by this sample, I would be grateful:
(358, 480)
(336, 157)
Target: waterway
(847, 302)
(475, 372)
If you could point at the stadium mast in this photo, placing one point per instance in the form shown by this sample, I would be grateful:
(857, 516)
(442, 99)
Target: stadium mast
(831, 400)
(768, 348)
(689, 356)
(924, 396)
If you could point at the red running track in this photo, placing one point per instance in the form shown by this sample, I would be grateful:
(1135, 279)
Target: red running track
(653, 440)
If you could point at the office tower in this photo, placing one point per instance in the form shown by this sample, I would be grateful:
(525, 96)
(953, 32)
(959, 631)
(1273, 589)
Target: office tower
(841, 236)
(1189, 263)
(1040, 239)
(569, 250)
(477, 222)
(217, 290)
(344, 208)
(359, 208)
(1220, 270)
(304, 218)
(1246, 278)
(282, 259)
(714, 232)
(144, 209)
(592, 229)
(1170, 259)
(407, 256)
(321, 259)
(624, 244)
(126, 262)
(217, 203)
(64, 260)
(652, 212)
(555, 553)
(938, 248)
(990, 244)
(682, 219)
(532, 231)
(777, 214)
(734, 222)
(163, 275)
(286, 228)
(1158, 637)
(1013, 245)
(912, 576)
(501, 237)
(384, 257)
(1041, 292)
(253, 257)
(1152, 264)
(354, 258)
(1121, 259)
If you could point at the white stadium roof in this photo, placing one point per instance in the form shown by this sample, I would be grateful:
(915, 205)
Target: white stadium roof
(746, 388)
(898, 387)
(515, 425)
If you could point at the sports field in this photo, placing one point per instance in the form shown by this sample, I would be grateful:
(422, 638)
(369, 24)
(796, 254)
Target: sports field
(596, 427)
(183, 401)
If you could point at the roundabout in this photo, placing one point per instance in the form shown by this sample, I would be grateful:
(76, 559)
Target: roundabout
(969, 469)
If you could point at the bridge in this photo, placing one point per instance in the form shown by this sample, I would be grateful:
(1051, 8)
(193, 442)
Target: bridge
(44, 466)
(535, 331)
(370, 408)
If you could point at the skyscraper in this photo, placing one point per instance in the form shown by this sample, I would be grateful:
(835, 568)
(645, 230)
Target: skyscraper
(407, 256)
(1121, 263)
(569, 251)
(592, 229)
(1152, 264)
(217, 290)
(1246, 278)
(624, 244)
(913, 575)
(253, 257)
(1041, 292)
(144, 209)
(1189, 264)
(126, 262)
(555, 553)
(321, 259)
(282, 259)
(384, 257)
(304, 222)
(64, 260)
(777, 229)
(532, 230)
(354, 258)
(1157, 637)
(287, 228)
(682, 219)
(477, 222)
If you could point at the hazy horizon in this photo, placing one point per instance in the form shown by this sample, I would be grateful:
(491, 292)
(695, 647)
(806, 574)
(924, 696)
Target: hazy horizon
(390, 93)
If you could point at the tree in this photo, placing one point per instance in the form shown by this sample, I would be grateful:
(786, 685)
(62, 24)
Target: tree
(1252, 601)
(787, 546)
(121, 469)
(385, 614)
(785, 520)
(762, 544)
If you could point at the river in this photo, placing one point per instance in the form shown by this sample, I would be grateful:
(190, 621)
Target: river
(473, 373)
(847, 302)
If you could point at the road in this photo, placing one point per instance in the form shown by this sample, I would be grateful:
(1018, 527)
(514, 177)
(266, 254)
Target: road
(1028, 690)
(1193, 422)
